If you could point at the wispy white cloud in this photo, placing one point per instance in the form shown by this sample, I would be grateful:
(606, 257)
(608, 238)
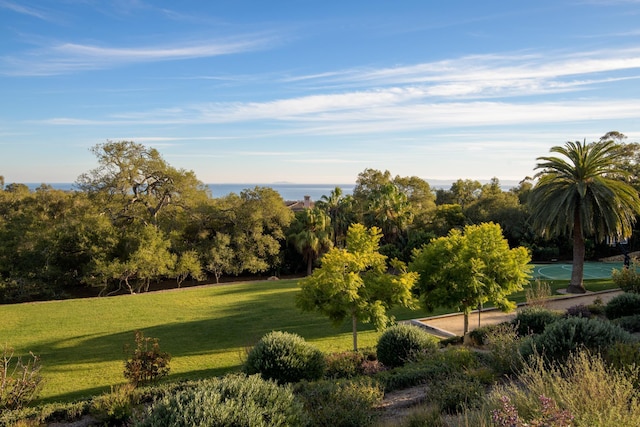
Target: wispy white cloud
(498, 75)
(72, 57)
(385, 117)
(482, 90)
(25, 10)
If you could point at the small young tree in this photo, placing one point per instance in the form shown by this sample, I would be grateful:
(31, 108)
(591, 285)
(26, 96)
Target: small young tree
(354, 283)
(464, 270)
(145, 363)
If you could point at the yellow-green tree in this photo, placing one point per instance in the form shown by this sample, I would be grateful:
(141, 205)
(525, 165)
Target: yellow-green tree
(355, 283)
(469, 268)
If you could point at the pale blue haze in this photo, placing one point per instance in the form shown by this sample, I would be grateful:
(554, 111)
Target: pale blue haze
(313, 91)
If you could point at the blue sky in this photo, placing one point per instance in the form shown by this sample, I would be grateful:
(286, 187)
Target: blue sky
(313, 91)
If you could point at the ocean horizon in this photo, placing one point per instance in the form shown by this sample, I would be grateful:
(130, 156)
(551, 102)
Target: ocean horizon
(288, 191)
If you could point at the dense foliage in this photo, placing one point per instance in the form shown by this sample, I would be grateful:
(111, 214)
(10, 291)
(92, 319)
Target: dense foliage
(285, 358)
(561, 338)
(233, 400)
(626, 304)
(466, 269)
(400, 344)
(134, 221)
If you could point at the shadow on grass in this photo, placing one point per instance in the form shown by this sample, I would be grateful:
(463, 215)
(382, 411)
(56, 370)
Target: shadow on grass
(223, 337)
(89, 393)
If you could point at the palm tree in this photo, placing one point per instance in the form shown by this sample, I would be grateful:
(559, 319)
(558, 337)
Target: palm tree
(583, 195)
(339, 209)
(390, 210)
(311, 236)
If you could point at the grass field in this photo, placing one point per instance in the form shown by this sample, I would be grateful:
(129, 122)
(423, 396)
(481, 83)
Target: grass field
(205, 329)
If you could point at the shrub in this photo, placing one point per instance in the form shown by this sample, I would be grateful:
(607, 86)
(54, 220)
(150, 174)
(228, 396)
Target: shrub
(579, 310)
(567, 335)
(624, 355)
(438, 366)
(534, 320)
(595, 394)
(346, 365)
(146, 363)
(424, 417)
(550, 415)
(285, 358)
(457, 358)
(538, 293)
(478, 336)
(234, 400)
(413, 374)
(349, 364)
(596, 307)
(627, 279)
(20, 381)
(457, 393)
(401, 343)
(340, 403)
(504, 350)
(629, 323)
(116, 407)
(627, 304)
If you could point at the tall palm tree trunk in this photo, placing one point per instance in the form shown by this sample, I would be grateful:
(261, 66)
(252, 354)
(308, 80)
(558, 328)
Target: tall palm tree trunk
(309, 265)
(576, 286)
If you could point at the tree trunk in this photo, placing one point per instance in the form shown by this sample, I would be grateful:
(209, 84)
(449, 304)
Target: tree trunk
(309, 266)
(466, 322)
(354, 323)
(576, 286)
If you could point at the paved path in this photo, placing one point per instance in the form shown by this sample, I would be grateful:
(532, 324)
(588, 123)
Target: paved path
(453, 324)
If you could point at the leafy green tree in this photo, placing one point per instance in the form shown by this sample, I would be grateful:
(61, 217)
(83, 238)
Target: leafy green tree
(501, 207)
(466, 269)
(465, 191)
(188, 264)
(219, 259)
(354, 283)
(584, 194)
(50, 240)
(134, 182)
(420, 197)
(445, 218)
(310, 235)
(142, 255)
(258, 229)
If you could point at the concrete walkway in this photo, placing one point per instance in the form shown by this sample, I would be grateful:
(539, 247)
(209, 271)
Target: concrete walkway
(449, 325)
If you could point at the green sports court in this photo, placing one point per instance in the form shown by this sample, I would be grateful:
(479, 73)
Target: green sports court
(562, 271)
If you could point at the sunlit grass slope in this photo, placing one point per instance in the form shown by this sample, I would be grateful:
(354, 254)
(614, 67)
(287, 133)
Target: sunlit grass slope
(205, 329)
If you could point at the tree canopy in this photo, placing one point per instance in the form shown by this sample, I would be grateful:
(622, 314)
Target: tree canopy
(468, 268)
(354, 283)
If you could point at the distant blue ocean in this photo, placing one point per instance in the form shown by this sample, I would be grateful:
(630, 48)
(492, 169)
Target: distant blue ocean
(287, 191)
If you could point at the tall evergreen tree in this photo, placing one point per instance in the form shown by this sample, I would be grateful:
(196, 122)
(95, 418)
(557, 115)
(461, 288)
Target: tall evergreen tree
(583, 195)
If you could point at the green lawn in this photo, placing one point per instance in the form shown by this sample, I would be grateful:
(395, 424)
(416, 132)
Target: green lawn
(206, 329)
